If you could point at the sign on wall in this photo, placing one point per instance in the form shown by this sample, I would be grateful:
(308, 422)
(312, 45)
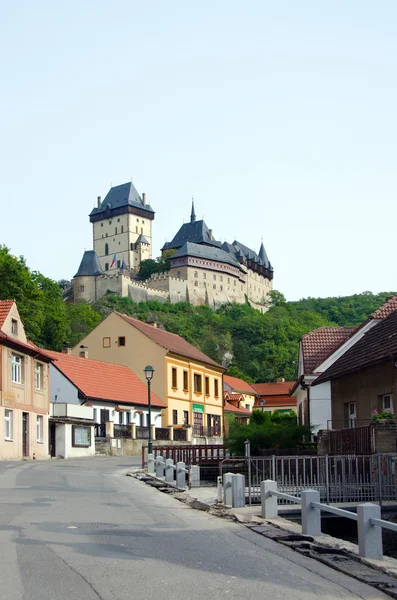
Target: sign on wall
(198, 408)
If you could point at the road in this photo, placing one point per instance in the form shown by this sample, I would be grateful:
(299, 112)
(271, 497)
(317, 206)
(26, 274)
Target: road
(81, 529)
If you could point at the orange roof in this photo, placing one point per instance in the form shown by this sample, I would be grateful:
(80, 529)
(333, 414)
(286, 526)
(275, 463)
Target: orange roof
(319, 344)
(239, 384)
(103, 381)
(386, 309)
(277, 401)
(238, 411)
(5, 307)
(170, 341)
(273, 388)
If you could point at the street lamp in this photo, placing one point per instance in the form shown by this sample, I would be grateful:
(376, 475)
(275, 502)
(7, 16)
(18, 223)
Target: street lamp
(262, 403)
(149, 371)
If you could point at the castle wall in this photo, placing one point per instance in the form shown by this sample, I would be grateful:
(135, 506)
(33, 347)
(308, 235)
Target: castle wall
(138, 292)
(258, 287)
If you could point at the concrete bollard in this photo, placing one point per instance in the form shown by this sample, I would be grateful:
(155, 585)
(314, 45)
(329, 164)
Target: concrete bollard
(369, 536)
(181, 474)
(159, 466)
(194, 476)
(150, 464)
(238, 491)
(227, 489)
(269, 503)
(169, 470)
(311, 516)
(219, 489)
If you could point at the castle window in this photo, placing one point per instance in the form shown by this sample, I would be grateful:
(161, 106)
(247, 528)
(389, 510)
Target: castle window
(118, 220)
(106, 266)
(214, 286)
(221, 278)
(195, 274)
(106, 249)
(137, 220)
(132, 246)
(143, 222)
(204, 275)
(115, 231)
(110, 222)
(221, 288)
(106, 235)
(81, 289)
(136, 228)
(101, 224)
(122, 229)
(214, 277)
(118, 264)
(196, 283)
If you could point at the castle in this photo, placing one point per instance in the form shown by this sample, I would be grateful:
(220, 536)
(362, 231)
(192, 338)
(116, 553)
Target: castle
(202, 269)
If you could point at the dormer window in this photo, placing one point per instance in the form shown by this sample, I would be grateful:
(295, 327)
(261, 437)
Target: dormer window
(14, 327)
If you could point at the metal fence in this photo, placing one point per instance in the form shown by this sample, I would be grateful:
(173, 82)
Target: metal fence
(121, 431)
(337, 478)
(100, 429)
(142, 433)
(162, 433)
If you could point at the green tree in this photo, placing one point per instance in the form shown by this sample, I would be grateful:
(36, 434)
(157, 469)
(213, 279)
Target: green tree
(55, 327)
(82, 320)
(147, 268)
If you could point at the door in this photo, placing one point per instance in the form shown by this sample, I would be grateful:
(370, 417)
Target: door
(52, 438)
(25, 434)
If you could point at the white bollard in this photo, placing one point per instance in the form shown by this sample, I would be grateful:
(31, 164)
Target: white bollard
(180, 474)
(219, 488)
(311, 516)
(194, 476)
(238, 491)
(369, 536)
(269, 502)
(227, 489)
(150, 464)
(169, 470)
(159, 466)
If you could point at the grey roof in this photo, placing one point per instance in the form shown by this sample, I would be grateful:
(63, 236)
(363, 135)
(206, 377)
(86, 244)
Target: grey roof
(195, 232)
(206, 252)
(142, 240)
(89, 264)
(122, 195)
(252, 255)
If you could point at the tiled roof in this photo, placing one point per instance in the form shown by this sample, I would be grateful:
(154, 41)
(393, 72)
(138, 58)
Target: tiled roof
(273, 388)
(89, 264)
(319, 344)
(239, 384)
(377, 345)
(196, 232)
(207, 253)
(386, 309)
(104, 381)
(277, 401)
(5, 307)
(229, 408)
(170, 341)
(120, 196)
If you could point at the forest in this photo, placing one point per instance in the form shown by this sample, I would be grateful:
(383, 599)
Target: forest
(254, 346)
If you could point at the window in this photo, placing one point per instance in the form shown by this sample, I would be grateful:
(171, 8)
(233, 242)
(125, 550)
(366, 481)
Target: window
(387, 402)
(81, 436)
(106, 234)
(204, 275)
(122, 229)
(118, 220)
(195, 274)
(110, 222)
(216, 388)
(174, 378)
(136, 229)
(214, 286)
(115, 231)
(8, 424)
(101, 224)
(221, 278)
(234, 283)
(14, 327)
(186, 417)
(106, 342)
(214, 277)
(38, 376)
(81, 288)
(137, 220)
(179, 273)
(221, 288)
(197, 383)
(196, 283)
(16, 368)
(351, 414)
(106, 249)
(207, 386)
(142, 230)
(118, 264)
(39, 427)
(185, 381)
(175, 417)
(247, 406)
(106, 266)
(121, 341)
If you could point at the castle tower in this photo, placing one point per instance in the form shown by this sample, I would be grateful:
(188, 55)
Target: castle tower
(122, 229)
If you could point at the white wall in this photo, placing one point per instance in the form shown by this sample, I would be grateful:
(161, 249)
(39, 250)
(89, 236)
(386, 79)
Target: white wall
(320, 405)
(61, 387)
(63, 443)
(133, 410)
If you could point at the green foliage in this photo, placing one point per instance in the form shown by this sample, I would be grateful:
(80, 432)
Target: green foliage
(55, 326)
(149, 266)
(82, 319)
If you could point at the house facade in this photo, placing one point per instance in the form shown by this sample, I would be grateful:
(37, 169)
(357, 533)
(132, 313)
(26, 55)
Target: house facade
(24, 390)
(275, 396)
(235, 385)
(185, 379)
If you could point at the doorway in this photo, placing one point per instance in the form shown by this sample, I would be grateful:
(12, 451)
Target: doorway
(52, 440)
(25, 434)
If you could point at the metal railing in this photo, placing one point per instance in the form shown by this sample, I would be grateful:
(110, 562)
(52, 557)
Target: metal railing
(367, 478)
(180, 435)
(142, 433)
(100, 429)
(121, 431)
(201, 431)
(162, 433)
(191, 454)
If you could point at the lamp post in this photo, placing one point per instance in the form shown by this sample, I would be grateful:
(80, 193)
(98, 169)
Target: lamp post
(149, 371)
(262, 403)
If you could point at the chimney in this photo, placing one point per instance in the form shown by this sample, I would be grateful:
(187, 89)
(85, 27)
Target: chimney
(83, 351)
(210, 234)
(67, 350)
(280, 380)
(144, 199)
(151, 321)
(99, 201)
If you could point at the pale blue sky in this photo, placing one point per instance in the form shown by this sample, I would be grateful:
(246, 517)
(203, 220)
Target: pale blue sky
(280, 118)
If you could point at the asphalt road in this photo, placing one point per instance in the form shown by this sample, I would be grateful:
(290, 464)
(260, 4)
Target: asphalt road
(82, 530)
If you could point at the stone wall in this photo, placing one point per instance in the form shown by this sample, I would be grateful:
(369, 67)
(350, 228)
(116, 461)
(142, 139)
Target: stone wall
(128, 446)
(141, 293)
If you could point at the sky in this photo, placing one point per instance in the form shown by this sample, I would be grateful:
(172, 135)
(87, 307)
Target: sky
(278, 117)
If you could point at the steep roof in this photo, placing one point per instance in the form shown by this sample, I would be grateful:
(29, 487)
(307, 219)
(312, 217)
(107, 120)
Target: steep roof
(5, 307)
(229, 408)
(206, 252)
(386, 309)
(104, 381)
(170, 341)
(195, 232)
(252, 255)
(89, 264)
(275, 388)
(239, 384)
(120, 196)
(377, 345)
(319, 344)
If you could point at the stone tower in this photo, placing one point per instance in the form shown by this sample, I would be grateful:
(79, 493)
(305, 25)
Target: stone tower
(122, 229)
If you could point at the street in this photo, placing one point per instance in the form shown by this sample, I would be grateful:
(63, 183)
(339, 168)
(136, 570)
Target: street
(81, 529)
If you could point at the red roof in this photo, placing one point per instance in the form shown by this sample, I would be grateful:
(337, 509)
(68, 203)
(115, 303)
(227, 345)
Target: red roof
(386, 309)
(239, 384)
(238, 411)
(104, 381)
(170, 341)
(274, 388)
(319, 344)
(5, 307)
(277, 401)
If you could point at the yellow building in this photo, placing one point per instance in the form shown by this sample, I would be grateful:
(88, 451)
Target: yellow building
(24, 389)
(188, 381)
(235, 385)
